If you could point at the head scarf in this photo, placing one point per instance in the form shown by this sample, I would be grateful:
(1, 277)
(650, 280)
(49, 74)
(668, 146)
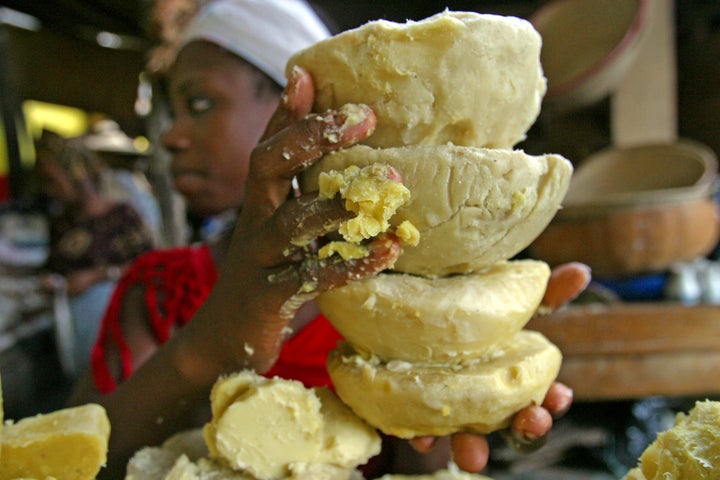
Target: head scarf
(265, 33)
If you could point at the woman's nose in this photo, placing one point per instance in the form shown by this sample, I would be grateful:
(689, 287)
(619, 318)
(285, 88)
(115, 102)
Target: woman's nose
(175, 139)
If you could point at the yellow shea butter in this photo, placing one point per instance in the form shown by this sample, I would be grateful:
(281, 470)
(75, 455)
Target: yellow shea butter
(202, 469)
(408, 234)
(270, 427)
(68, 444)
(347, 250)
(370, 194)
(688, 450)
(208, 469)
(473, 207)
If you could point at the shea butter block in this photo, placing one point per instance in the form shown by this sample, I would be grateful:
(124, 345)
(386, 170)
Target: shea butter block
(460, 77)
(688, 450)
(270, 428)
(409, 400)
(445, 319)
(472, 207)
(68, 444)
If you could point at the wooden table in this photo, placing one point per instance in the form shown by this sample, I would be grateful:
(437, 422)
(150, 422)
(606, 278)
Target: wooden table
(626, 351)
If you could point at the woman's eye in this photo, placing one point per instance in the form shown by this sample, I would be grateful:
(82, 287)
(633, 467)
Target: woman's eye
(199, 104)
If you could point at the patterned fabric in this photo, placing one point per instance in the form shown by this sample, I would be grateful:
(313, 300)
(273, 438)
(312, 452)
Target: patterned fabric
(177, 282)
(115, 238)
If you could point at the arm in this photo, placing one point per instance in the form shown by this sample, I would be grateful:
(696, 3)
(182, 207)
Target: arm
(81, 280)
(262, 282)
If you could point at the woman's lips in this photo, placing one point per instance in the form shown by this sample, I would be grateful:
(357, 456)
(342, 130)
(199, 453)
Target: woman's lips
(188, 180)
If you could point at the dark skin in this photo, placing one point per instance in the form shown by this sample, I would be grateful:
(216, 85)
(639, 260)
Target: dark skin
(259, 292)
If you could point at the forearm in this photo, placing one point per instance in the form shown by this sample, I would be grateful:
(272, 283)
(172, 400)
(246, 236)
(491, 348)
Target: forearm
(167, 393)
(156, 402)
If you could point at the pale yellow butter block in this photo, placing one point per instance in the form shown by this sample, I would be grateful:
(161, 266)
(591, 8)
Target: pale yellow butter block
(203, 469)
(450, 473)
(153, 463)
(688, 450)
(68, 444)
(460, 77)
(272, 427)
(634, 474)
(183, 469)
(208, 469)
(446, 319)
(413, 399)
(472, 207)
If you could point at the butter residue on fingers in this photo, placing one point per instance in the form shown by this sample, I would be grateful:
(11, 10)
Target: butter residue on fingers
(353, 114)
(373, 194)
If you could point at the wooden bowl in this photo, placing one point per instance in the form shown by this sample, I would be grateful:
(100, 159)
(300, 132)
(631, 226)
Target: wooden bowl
(588, 45)
(636, 210)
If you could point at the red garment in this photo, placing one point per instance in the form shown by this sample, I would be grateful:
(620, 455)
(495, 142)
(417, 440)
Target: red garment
(177, 282)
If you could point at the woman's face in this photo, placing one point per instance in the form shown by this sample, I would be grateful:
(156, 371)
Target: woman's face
(218, 120)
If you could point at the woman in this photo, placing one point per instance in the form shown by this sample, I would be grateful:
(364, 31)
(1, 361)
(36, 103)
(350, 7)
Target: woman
(92, 238)
(257, 314)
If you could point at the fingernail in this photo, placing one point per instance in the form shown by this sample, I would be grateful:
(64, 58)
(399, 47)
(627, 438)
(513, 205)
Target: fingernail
(520, 442)
(351, 123)
(290, 92)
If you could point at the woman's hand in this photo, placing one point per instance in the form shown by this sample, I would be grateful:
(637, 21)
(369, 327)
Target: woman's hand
(531, 425)
(74, 283)
(269, 271)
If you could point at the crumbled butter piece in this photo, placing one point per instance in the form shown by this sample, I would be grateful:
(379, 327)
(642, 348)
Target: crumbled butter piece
(689, 449)
(347, 250)
(374, 197)
(408, 233)
(370, 194)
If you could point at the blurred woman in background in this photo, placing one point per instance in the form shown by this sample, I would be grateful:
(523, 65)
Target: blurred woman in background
(92, 240)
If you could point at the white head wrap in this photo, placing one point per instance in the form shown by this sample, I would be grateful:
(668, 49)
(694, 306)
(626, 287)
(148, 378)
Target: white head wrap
(265, 33)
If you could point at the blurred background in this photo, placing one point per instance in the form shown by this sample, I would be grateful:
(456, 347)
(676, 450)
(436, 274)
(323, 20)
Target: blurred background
(633, 101)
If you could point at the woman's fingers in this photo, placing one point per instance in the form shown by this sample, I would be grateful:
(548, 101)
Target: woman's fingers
(531, 423)
(313, 275)
(335, 272)
(566, 282)
(470, 452)
(299, 145)
(423, 444)
(300, 221)
(558, 399)
(290, 151)
(528, 431)
(305, 279)
(296, 102)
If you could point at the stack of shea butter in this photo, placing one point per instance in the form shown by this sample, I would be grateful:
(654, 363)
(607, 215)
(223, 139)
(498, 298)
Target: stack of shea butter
(437, 345)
